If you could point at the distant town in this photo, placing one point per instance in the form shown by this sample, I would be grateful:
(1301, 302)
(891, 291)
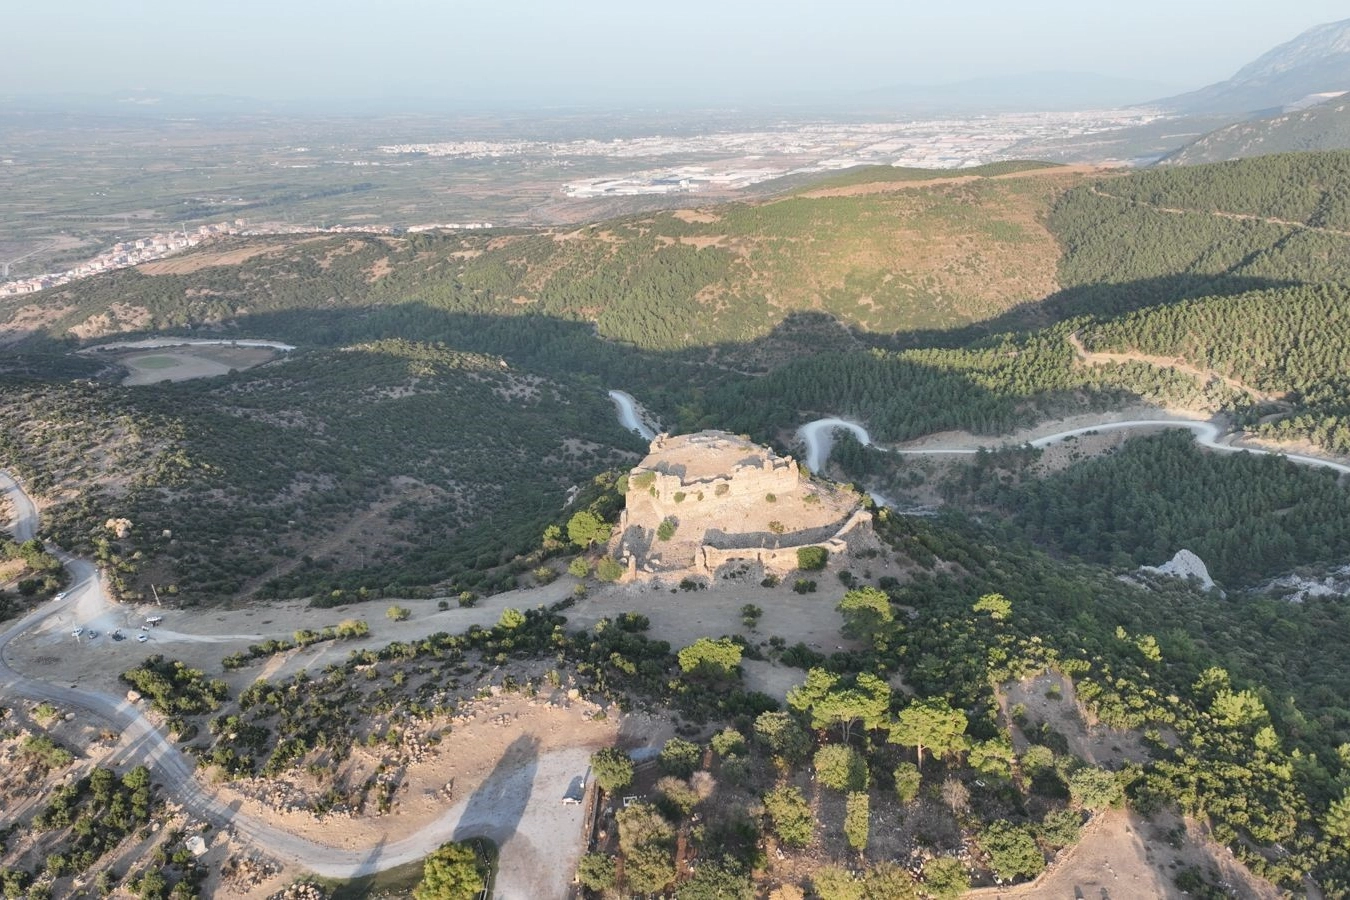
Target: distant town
(736, 160)
(158, 246)
(714, 163)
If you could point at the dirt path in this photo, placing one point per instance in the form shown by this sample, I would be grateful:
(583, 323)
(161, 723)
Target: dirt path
(1241, 217)
(887, 187)
(1098, 358)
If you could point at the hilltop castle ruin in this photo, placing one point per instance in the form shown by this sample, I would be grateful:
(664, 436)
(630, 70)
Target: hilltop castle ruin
(698, 502)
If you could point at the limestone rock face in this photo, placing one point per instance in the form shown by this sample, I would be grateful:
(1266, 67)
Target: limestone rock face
(700, 501)
(1184, 565)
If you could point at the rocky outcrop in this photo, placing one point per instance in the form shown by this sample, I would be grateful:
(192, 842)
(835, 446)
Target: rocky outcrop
(1184, 565)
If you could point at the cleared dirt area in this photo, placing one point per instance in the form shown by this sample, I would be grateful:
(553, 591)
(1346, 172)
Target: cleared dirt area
(205, 259)
(184, 363)
(1050, 698)
(1123, 857)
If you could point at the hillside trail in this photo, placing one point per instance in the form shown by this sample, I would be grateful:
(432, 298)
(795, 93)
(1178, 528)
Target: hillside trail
(887, 187)
(1102, 358)
(1222, 214)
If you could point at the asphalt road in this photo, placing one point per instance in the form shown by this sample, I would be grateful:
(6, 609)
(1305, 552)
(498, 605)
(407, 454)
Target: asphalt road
(819, 438)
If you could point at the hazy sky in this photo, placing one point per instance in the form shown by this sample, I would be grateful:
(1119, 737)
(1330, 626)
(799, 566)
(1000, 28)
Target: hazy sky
(621, 51)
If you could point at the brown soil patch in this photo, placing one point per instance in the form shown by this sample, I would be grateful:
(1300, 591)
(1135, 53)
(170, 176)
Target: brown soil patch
(379, 269)
(195, 262)
(1123, 857)
(696, 216)
(480, 737)
(119, 317)
(30, 318)
(1097, 744)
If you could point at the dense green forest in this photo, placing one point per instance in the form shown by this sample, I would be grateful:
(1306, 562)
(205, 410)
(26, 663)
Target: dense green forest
(1293, 342)
(1246, 516)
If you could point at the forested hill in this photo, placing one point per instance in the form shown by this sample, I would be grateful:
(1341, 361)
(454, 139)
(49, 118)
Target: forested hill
(1325, 126)
(919, 254)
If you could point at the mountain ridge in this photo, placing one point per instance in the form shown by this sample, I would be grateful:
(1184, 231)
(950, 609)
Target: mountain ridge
(1315, 61)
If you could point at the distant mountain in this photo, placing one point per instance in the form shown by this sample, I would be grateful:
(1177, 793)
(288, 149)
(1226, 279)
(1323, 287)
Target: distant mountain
(1316, 61)
(1325, 126)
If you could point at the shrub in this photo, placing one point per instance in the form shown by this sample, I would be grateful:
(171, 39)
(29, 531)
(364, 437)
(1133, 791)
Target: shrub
(945, 878)
(790, 816)
(721, 490)
(857, 820)
(1093, 788)
(709, 658)
(1012, 851)
(613, 769)
(596, 872)
(351, 628)
(833, 882)
(1060, 828)
(679, 757)
(812, 559)
(398, 613)
(666, 530)
(907, 782)
(454, 872)
(804, 586)
(840, 767)
(608, 569)
(579, 567)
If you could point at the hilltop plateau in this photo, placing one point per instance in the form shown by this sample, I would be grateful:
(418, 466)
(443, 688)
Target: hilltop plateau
(707, 502)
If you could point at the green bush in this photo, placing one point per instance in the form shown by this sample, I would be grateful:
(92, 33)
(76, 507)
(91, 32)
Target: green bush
(812, 559)
(790, 816)
(839, 766)
(608, 569)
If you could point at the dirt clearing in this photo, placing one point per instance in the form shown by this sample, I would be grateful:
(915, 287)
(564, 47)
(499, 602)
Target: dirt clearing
(1123, 857)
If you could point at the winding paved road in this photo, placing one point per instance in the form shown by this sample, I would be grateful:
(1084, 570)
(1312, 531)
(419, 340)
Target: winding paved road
(527, 837)
(628, 417)
(819, 439)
